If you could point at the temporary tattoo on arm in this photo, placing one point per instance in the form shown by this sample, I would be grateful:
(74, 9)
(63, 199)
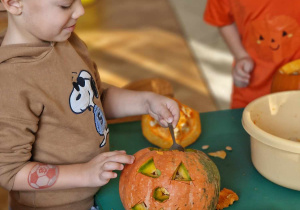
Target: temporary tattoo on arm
(42, 176)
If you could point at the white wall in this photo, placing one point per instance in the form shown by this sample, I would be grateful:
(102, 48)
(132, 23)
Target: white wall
(210, 51)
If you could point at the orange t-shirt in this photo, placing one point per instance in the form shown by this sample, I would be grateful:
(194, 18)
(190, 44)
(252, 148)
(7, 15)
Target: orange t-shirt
(270, 33)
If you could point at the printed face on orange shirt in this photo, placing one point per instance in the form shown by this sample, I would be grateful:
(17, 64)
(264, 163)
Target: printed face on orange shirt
(276, 38)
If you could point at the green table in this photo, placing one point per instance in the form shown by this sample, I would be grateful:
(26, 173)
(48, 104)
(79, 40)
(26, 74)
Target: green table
(219, 129)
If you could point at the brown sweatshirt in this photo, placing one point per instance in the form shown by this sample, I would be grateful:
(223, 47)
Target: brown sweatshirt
(51, 113)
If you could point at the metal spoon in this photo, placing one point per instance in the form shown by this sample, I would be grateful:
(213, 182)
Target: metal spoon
(175, 146)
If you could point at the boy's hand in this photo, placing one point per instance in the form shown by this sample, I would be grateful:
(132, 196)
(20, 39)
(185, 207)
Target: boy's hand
(163, 109)
(98, 171)
(241, 72)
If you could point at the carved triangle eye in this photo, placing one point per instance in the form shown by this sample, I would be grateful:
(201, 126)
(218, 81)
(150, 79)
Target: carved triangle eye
(139, 206)
(149, 169)
(181, 173)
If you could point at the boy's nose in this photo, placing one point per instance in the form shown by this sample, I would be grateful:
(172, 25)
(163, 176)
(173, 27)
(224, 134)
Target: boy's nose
(79, 10)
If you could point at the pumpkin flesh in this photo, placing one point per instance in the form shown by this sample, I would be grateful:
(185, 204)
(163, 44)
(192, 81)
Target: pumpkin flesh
(186, 132)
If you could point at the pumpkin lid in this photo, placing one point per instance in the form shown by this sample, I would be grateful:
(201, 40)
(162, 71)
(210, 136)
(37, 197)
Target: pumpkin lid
(186, 132)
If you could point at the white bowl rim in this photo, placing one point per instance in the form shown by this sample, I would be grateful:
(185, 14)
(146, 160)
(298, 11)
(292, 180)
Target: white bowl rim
(264, 137)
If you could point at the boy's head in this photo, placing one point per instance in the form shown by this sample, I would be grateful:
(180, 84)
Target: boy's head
(42, 20)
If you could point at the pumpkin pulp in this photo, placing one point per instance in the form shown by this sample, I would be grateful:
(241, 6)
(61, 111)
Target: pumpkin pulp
(186, 132)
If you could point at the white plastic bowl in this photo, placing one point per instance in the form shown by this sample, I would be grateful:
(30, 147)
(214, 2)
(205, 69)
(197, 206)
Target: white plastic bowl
(273, 123)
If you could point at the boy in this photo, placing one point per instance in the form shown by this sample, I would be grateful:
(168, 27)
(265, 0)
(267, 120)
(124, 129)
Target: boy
(262, 36)
(54, 136)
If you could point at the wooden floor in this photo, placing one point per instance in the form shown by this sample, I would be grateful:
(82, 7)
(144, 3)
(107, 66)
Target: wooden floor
(138, 39)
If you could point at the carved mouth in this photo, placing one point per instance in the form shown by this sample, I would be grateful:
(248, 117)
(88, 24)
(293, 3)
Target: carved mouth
(276, 48)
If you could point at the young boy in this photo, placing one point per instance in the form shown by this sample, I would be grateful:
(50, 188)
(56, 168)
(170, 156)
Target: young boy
(53, 131)
(262, 36)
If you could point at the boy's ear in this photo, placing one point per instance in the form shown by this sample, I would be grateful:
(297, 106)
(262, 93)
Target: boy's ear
(14, 7)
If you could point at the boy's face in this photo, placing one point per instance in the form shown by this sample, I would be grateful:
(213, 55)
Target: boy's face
(49, 20)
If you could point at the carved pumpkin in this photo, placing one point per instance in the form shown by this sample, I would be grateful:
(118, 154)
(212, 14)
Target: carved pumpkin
(162, 179)
(186, 132)
(287, 77)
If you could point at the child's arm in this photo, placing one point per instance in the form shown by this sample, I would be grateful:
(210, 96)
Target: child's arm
(243, 62)
(94, 173)
(121, 103)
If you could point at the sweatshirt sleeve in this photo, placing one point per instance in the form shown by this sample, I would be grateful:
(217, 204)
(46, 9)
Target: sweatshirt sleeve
(15, 148)
(18, 125)
(218, 13)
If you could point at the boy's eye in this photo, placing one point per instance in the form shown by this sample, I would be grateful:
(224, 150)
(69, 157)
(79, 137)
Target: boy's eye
(65, 6)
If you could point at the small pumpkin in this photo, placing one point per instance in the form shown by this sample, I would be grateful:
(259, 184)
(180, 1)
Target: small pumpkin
(162, 179)
(186, 132)
(287, 77)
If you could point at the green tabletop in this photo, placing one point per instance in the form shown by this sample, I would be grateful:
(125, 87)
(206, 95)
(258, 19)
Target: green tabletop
(219, 129)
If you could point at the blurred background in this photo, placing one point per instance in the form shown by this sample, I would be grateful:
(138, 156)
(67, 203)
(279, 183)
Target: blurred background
(139, 39)
(134, 40)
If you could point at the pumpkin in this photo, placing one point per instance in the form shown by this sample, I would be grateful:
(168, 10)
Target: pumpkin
(287, 77)
(186, 132)
(162, 179)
